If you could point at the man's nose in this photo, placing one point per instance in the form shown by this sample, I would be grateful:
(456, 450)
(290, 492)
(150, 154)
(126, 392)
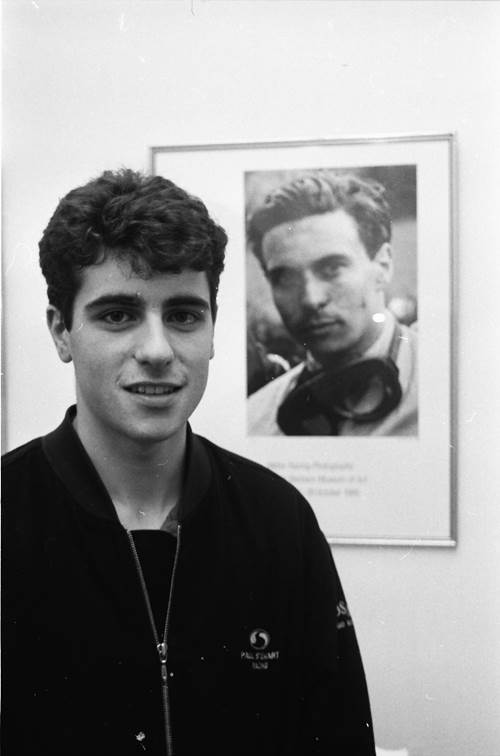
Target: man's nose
(153, 345)
(315, 292)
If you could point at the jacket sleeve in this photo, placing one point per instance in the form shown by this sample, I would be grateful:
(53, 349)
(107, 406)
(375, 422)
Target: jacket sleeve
(337, 718)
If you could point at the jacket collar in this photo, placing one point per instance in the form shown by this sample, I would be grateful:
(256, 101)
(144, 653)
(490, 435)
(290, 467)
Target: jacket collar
(71, 463)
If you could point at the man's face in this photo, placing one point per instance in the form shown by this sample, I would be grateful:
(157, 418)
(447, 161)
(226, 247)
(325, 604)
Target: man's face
(326, 288)
(141, 349)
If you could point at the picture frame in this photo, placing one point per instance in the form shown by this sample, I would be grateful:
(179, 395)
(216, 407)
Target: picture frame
(371, 486)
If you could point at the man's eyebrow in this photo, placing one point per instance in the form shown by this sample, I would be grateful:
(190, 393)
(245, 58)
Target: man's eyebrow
(120, 299)
(187, 299)
(332, 256)
(115, 300)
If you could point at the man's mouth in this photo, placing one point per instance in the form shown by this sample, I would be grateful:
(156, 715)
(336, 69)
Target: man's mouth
(319, 326)
(152, 389)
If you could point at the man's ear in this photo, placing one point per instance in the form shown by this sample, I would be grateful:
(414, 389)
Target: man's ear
(385, 266)
(59, 333)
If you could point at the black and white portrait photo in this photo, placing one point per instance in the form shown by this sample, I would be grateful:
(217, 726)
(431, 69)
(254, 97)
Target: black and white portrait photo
(332, 302)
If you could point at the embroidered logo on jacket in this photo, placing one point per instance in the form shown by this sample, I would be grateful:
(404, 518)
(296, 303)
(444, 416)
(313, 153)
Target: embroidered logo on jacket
(259, 639)
(259, 657)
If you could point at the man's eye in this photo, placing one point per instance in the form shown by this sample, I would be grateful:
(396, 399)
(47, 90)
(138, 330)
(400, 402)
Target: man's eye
(328, 268)
(283, 277)
(116, 317)
(183, 317)
(329, 271)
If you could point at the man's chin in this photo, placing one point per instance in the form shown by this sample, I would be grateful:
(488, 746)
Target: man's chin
(151, 434)
(333, 356)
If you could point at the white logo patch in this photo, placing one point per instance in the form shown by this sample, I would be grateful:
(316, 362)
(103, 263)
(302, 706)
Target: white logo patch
(259, 639)
(259, 657)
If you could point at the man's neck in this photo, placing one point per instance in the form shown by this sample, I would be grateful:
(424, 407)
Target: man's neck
(144, 481)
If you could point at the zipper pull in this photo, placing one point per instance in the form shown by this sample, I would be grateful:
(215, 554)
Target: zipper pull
(162, 653)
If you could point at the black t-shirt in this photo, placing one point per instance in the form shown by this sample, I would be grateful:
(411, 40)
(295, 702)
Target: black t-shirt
(156, 552)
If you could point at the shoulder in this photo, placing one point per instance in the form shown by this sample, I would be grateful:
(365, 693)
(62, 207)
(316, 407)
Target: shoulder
(271, 507)
(252, 482)
(247, 469)
(408, 338)
(26, 483)
(260, 490)
(407, 356)
(410, 331)
(264, 403)
(27, 475)
(276, 387)
(22, 457)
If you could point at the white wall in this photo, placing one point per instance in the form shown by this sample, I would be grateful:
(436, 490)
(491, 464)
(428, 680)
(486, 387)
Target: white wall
(90, 85)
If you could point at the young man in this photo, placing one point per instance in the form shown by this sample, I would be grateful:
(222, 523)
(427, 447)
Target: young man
(324, 244)
(161, 595)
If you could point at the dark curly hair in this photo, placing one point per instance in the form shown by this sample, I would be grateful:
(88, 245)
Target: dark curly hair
(147, 220)
(323, 192)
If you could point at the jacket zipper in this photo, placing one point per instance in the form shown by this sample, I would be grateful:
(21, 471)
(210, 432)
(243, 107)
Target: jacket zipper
(161, 646)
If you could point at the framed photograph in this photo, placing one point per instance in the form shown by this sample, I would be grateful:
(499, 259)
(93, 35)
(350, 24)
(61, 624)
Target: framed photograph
(334, 341)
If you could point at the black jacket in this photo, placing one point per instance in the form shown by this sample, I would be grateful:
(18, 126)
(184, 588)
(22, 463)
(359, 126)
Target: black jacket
(262, 655)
